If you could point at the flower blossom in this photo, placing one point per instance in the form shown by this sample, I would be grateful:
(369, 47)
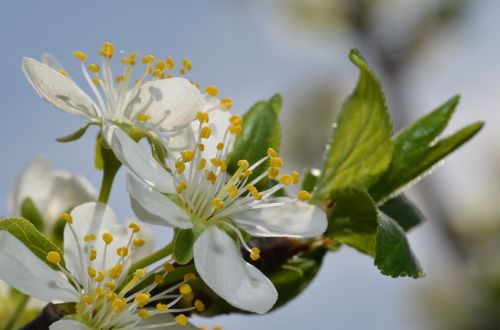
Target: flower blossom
(93, 274)
(194, 191)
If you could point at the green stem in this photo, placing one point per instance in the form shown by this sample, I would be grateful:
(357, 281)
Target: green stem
(152, 258)
(19, 309)
(107, 183)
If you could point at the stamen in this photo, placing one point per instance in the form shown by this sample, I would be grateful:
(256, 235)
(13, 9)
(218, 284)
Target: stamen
(107, 50)
(142, 117)
(139, 242)
(286, 179)
(148, 59)
(53, 257)
(226, 103)
(187, 64)
(303, 195)
(181, 319)
(211, 90)
(66, 217)
(94, 68)
(80, 55)
(255, 254)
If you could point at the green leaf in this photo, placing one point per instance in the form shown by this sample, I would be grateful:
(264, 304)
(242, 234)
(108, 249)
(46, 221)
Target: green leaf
(310, 179)
(157, 149)
(403, 211)
(98, 161)
(78, 134)
(26, 232)
(30, 212)
(261, 130)
(361, 147)
(354, 220)
(393, 255)
(183, 245)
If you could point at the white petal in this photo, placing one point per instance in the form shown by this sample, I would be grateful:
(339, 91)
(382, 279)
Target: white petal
(34, 181)
(283, 217)
(68, 325)
(171, 103)
(96, 219)
(52, 62)
(132, 155)
(67, 191)
(24, 271)
(148, 248)
(58, 90)
(152, 207)
(221, 266)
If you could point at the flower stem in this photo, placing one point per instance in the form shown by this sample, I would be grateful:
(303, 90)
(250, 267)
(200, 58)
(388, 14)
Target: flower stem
(23, 300)
(152, 258)
(111, 165)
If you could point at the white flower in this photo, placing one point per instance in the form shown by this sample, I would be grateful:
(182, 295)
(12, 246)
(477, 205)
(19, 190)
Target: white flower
(211, 203)
(97, 257)
(161, 105)
(52, 191)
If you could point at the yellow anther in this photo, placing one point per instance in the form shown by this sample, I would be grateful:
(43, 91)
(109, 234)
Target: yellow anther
(182, 71)
(128, 60)
(205, 132)
(218, 203)
(142, 299)
(257, 195)
(215, 162)
(100, 277)
(115, 271)
(158, 279)
(303, 195)
(110, 285)
(161, 65)
(236, 120)
(89, 238)
(199, 305)
(202, 117)
(255, 254)
(232, 191)
(135, 227)
(201, 146)
(181, 187)
(100, 293)
(211, 90)
(120, 78)
(168, 268)
(187, 155)
(96, 81)
(201, 164)
(181, 319)
(243, 164)
(87, 299)
(63, 72)
(107, 238)
(91, 271)
(276, 162)
(94, 68)
(139, 242)
(251, 188)
(186, 63)
(188, 297)
(148, 59)
(195, 84)
(53, 257)
(133, 55)
(107, 50)
(142, 117)
(273, 172)
(80, 55)
(170, 63)
(110, 294)
(247, 173)
(271, 152)
(180, 166)
(220, 146)
(122, 251)
(286, 179)
(118, 305)
(226, 103)
(295, 176)
(223, 165)
(140, 273)
(212, 177)
(235, 129)
(217, 327)
(189, 277)
(161, 307)
(159, 74)
(93, 254)
(66, 217)
(143, 314)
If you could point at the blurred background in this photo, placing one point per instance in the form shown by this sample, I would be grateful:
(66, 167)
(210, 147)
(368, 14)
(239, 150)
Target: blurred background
(423, 51)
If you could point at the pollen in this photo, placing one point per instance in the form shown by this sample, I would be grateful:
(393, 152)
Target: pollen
(100, 277)
(186, 63)
(201, 164)
(107, 50)
(53, 257)
(211, 176)
(187, 155)
(168, 268)
(211, 90)
(142, 299)
(236, 120)
(286, 179)
(255, 254)
(89, 238)
(295, 176)
(87, 299)
(201, 146)
(148, 59)
(120, 78)
(205, 132)
(257, 195)
(199, 305)
(235, 129)
(181, 187)
(226, 103)
(220, 146)
(138, 242)
(189, 277)
(303, 195)
(243, 164)
(202, 117)
(140, 273)
(135, 227)
(273, 172)
(158, 279)
(80, 55)
(161, 65)
(276, 162)
(91, 271)
(93, 254)
(66, 217)
(181, 319)
(271, 152)
(115, 271)
(118, 305)
(94, 68)
(180, 166)
(122, 251)
(142, 117)
(107, 238)
(161, 307)
(170, 63)
(143, 314)
(218, 203)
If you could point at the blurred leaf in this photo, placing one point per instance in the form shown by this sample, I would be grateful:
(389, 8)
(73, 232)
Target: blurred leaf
(98, 161)
(354, 220)
(361, 146)
(183, 245)
(310, 179)
(261, 130)
(30, 212)
(157, 149)
(78, 134)
(403, 211)
(26, 232)
(393, 255)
